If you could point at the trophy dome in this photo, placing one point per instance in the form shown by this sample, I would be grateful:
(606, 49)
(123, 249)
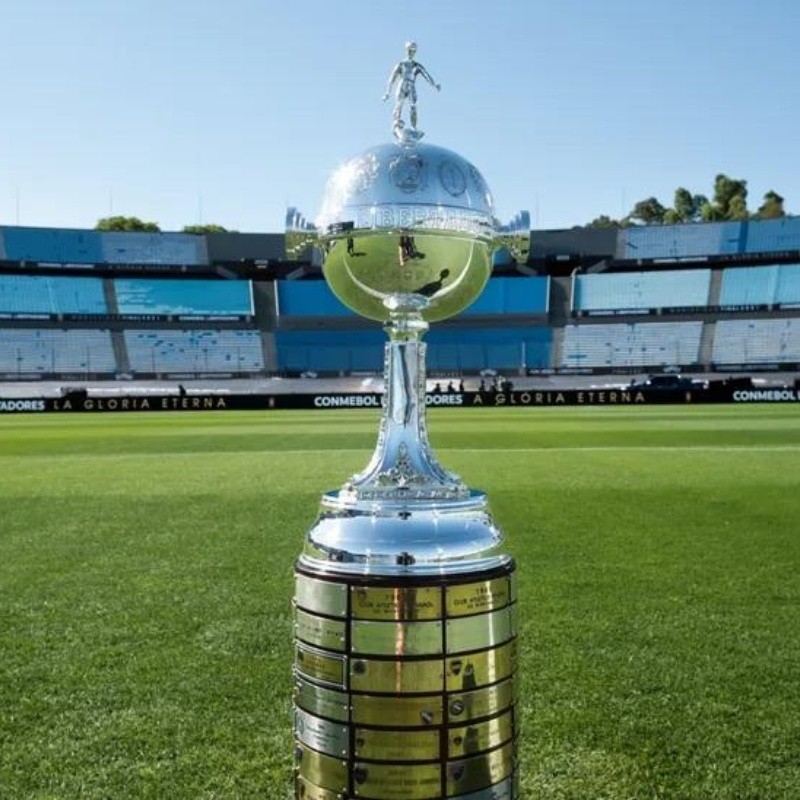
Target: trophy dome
(407, 220)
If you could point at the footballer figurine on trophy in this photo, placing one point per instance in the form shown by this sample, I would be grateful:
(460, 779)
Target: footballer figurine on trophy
(405, 600)
(405, 76)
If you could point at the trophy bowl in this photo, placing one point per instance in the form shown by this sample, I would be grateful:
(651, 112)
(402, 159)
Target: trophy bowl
(407, 220)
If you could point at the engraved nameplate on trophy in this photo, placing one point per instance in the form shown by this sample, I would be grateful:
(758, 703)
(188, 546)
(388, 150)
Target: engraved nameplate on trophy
(320, 631)
(469, 774)
(321, 596)
(380, 745)
(397, 781)
(321, 734)
(479, 736)
(396, 638)
(323, 667)
(396, 677)
(321, 701)
(477, 669)
(467, 706)
(480, 631)
(477, 598)
(396, 603)
(321, 770)
(401, 712)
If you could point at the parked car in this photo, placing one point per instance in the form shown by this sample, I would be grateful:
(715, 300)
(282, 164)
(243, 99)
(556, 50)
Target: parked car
(669, 383)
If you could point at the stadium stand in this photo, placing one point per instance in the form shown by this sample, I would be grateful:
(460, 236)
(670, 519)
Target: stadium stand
(501, 348)
(679, 241)
(309, 298)
(22, 295)
(146, 313)
(64, 246)
(787, 294)
(448, 350)
(189, 297)
(775, 285)
(773, 236)
(637, 344)
(757, 342)
(748, 286)
(330, 351)
(196, 351)
(619, 292)
(528, 296)
(701, 240)
(47, 351)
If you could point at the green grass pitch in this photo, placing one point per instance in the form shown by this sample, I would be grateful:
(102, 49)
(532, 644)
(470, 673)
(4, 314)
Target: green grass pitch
(146, 580)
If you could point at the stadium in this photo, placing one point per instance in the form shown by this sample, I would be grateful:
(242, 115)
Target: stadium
(121, 312)
(148, 555)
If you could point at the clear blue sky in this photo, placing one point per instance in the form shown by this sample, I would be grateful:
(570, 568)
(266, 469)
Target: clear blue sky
(181, 110)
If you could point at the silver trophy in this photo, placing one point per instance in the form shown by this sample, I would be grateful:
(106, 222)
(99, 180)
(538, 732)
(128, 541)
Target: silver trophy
(405, 602)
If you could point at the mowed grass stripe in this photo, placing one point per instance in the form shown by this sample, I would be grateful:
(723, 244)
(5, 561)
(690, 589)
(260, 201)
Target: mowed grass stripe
(238, 432)
(146, 622)
(547, 448)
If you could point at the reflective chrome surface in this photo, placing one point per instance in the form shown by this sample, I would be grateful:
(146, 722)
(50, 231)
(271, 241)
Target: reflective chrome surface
(404, 513)
(404, 538)
(398, 220)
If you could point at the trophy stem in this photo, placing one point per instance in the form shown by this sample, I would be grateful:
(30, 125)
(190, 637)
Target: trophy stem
(403, 464)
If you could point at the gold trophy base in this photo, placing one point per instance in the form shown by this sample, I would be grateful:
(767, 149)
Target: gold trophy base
(405, 687)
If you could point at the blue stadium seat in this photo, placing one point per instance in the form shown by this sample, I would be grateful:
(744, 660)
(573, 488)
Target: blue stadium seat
(170, 350)
(52, 245)
(643, 344)
(184, 297)
(35, 294)
(330, 351)
(680, 241)
(787, 291)
(153, 248)
(447, 349)
(66, 246)
(309, 299)
(641, 291)
(771, 285)
(50, 350)
(762, 341)
(773, 235)
(528, 295)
